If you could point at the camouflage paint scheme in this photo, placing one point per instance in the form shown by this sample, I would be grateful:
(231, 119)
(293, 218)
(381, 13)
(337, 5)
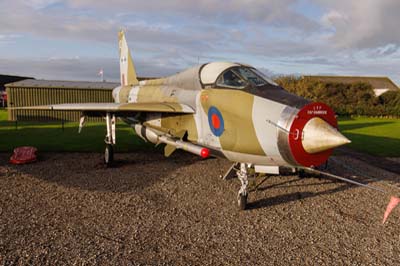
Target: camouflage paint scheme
(253, 124)
(256, 125)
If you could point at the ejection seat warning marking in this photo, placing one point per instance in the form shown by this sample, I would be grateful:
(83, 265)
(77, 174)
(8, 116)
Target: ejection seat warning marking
(317, 110)
(215, 121)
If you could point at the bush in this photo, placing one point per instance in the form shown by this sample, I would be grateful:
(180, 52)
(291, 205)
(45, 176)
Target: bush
(346, 99)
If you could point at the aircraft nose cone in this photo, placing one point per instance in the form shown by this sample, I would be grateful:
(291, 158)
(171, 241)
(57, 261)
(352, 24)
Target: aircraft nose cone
(320, 136)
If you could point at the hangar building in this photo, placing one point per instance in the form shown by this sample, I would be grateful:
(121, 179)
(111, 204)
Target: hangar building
(4, 79)
(380, 84)
(43, 92)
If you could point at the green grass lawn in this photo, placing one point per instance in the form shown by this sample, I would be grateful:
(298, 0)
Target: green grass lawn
(51, 136)
(376, 136)
(371, 135)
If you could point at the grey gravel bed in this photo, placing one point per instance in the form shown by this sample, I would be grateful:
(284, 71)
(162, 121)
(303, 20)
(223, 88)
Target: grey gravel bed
(149, 210)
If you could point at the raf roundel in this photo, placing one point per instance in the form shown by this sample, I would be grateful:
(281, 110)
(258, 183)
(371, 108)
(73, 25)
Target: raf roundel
(216, 121)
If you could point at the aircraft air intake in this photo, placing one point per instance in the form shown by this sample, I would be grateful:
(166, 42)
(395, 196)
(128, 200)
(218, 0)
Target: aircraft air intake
(311, 135)
(320, 136)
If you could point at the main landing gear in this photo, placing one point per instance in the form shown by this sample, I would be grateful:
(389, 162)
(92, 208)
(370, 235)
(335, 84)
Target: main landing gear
(241, 170)
(109, 140)
(110, 137)
(108, 155)
(242, 174)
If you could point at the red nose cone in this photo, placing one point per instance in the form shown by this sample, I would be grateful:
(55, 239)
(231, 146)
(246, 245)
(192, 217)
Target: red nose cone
(296, 135)
(204, 153)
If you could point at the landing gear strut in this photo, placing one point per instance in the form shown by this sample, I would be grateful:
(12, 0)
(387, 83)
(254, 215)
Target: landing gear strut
(109, 140)
(242, 174)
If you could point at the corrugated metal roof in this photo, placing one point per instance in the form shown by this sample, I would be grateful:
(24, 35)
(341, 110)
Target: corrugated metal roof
(5, 79)
(33, 83)
(376, 82)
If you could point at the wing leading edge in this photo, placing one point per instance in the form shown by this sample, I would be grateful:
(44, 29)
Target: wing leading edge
(115, 107)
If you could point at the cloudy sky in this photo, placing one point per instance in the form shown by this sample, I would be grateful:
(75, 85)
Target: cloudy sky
(73, 39)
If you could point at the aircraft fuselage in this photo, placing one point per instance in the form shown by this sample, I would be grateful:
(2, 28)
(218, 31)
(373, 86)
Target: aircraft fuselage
(252, 125)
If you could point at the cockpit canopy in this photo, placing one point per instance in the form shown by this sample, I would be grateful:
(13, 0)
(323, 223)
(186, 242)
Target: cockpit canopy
(232, 75)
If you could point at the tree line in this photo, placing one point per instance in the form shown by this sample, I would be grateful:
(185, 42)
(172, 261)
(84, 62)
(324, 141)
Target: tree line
(346, 99)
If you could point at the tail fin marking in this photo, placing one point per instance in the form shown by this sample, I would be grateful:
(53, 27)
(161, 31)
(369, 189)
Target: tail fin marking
(127, 68)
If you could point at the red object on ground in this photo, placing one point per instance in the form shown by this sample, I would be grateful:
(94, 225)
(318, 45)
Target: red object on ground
(392, 204)
(23, 155)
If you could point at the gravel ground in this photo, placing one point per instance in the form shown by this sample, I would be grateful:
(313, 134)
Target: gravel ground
(149, 210)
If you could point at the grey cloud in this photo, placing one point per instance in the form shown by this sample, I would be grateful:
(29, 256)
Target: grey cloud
(60, 24)
(172, 34)
(273, 12)
(388, 49)
(79, 68)
(278, 48)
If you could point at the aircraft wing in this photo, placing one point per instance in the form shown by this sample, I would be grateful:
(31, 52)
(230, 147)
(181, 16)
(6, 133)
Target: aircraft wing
(116, 107)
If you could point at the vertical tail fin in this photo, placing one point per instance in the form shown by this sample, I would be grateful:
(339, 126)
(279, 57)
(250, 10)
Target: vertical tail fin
(127, 68)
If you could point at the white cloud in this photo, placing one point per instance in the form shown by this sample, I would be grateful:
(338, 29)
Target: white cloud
(8, 38)
(39, 4)
(333, 18)
(362, 24)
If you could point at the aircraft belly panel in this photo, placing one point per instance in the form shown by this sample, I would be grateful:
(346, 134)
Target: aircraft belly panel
(180, 123)
(154, 119)
(254, 159)
(266, 115)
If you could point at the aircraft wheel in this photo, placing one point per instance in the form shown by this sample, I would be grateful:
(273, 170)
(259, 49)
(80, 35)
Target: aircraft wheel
(242, 201)
(109, 155)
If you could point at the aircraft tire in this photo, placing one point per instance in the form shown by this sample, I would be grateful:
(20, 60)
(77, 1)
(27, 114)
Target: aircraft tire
(109, 155)
(242, 202)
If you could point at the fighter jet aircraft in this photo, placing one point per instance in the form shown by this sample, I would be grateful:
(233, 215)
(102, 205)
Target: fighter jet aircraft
(224, 109)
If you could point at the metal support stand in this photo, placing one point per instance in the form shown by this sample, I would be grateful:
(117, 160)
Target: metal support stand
(231, 173)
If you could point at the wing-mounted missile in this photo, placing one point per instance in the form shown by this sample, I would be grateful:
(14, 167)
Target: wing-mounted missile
(171, 143)
(169, 149)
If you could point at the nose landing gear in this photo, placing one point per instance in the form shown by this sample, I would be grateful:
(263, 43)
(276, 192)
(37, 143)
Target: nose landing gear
(242, 174)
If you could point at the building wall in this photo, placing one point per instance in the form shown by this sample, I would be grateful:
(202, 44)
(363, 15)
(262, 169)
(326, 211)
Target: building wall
(24, 96)
(379, 92)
